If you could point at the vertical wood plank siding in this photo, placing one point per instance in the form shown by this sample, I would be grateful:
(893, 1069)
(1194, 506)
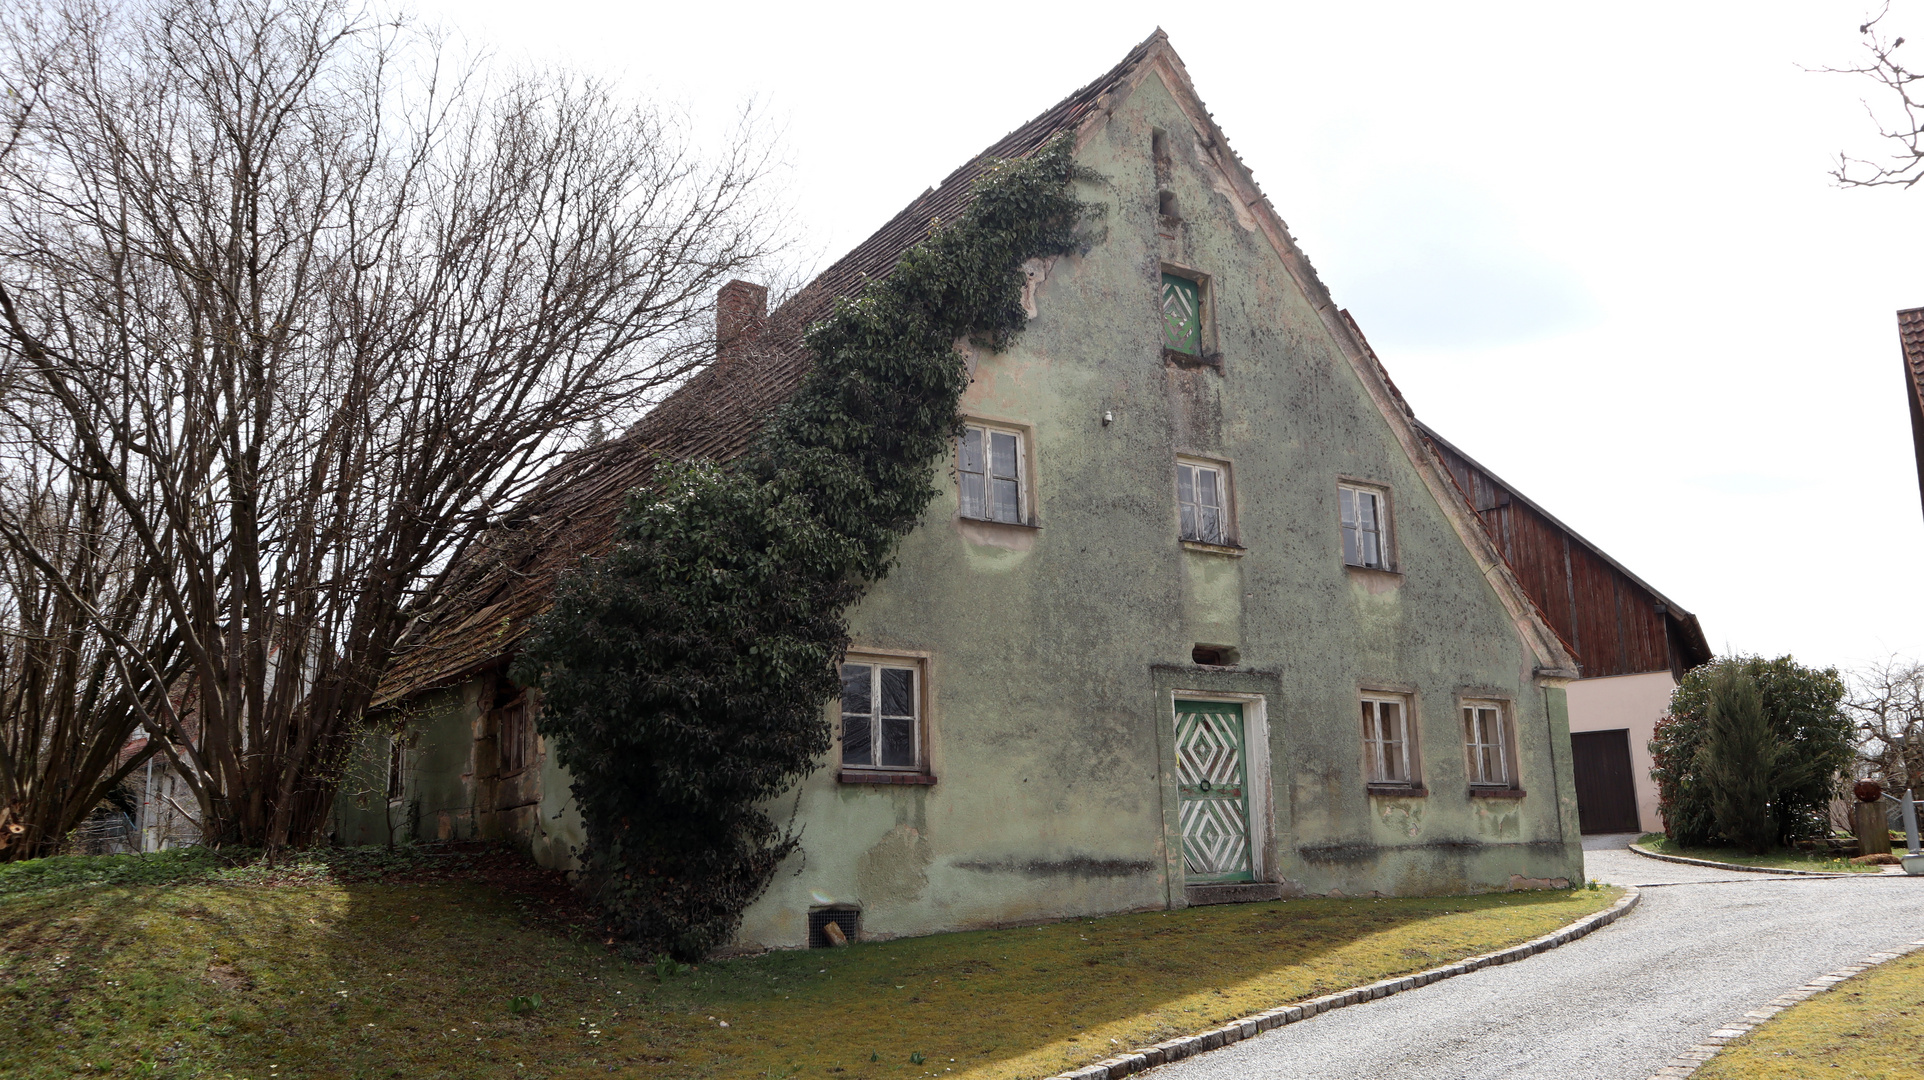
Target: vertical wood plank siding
(1613, 623)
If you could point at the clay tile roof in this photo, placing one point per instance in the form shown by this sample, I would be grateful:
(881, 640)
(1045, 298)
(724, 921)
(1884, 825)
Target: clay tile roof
(508, 579)
(1910, 331)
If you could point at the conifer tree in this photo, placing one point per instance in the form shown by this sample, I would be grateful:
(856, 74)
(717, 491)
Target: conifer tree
(1740, 761)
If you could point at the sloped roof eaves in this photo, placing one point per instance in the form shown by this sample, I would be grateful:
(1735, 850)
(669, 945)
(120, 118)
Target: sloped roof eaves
(714, 416)
(1684, 618)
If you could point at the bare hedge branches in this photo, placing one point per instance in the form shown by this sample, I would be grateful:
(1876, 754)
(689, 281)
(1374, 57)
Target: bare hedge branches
(67, 711)
(1904, 96)
(1886, 702)
(314, 299)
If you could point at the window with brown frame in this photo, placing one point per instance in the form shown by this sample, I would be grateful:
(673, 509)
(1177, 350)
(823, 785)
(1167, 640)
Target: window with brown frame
(882, 715)
(396, 767)
(514, 736)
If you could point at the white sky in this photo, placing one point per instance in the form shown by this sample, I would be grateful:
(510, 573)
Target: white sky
(1596, 245)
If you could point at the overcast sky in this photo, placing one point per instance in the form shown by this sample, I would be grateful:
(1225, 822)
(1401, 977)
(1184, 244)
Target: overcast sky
(1597, 246)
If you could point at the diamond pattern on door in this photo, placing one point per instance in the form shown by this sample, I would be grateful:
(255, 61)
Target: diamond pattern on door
(1181, 314)
(1213, 806)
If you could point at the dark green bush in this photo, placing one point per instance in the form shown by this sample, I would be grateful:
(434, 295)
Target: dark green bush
(1813, 749)
(1741, 761)
(684, 676)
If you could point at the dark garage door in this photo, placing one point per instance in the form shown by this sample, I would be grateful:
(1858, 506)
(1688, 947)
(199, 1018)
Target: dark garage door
(1606, 796)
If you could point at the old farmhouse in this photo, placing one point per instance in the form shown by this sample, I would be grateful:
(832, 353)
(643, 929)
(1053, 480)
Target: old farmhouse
(1204, 614)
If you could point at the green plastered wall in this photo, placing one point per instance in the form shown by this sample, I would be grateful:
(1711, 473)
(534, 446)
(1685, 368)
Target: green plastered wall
(1054, 654)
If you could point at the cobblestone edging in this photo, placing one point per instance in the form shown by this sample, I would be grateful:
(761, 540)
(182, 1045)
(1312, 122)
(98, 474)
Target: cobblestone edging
(1163, 1053)
(1694, 1058)
(1649, 854)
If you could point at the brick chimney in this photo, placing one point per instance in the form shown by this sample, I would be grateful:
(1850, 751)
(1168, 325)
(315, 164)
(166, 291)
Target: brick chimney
(740, 310)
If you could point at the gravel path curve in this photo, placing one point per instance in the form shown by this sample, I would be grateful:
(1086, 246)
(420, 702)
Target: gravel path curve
(1703, 947)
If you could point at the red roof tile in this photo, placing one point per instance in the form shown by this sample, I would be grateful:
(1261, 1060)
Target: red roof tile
(1910, 332)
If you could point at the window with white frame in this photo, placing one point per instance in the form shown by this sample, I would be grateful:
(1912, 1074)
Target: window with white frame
(991, 472)
(1386, 739)
(1202, 494)
(881, 715)
(1484, 737)
(1365, 527)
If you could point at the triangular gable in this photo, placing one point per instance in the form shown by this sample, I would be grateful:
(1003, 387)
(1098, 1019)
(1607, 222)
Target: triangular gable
(500, 587)
(1553, 658)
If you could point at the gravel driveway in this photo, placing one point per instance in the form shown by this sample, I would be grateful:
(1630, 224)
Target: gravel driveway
(1702, 947)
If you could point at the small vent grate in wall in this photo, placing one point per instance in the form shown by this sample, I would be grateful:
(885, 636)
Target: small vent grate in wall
(849, 919)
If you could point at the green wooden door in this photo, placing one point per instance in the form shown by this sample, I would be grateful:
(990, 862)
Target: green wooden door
(1212, 790)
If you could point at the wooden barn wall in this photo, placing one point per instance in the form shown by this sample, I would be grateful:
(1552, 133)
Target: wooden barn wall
(1609, 620)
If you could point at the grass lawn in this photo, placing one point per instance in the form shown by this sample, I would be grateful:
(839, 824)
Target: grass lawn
(365, 965)
(1776, 860)
(1869, 1027)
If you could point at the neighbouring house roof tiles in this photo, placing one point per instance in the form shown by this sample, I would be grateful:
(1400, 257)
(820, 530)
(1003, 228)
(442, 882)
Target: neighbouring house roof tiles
(1910, 332)
(508, 579)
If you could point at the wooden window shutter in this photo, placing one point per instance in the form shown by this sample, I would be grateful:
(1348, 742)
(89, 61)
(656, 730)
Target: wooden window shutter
(1181, 314)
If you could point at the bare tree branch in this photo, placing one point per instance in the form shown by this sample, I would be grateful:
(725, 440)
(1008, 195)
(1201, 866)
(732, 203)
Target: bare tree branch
(1901, 95)
(1886, 703)
(311, 300)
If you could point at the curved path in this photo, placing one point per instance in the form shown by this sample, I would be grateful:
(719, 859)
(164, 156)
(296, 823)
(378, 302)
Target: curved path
(1703, 947)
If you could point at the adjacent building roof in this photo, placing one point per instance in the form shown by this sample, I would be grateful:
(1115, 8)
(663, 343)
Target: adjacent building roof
(1614, 621)
(1610, 619)
(1910, 333)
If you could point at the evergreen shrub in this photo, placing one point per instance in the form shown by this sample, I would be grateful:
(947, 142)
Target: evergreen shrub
(1699, 765)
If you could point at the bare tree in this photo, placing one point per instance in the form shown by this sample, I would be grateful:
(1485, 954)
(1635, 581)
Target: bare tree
(1886, 702)
(313, 300)
(1899, 121)
(67, 708)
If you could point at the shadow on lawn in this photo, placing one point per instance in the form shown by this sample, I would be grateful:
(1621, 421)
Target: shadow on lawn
(289, 973)
(1036, 1000)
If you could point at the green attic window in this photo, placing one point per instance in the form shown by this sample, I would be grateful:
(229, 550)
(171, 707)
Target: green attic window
(1182, 314)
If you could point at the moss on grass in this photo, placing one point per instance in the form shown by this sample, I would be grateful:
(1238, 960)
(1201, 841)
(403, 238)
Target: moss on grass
(322, 973)
(1776, 860)
(1870, 1027)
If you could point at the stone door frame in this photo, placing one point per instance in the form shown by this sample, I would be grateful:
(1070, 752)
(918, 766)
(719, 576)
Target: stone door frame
(1253, 690)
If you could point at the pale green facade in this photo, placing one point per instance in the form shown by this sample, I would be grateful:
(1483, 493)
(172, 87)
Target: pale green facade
(1053, 656)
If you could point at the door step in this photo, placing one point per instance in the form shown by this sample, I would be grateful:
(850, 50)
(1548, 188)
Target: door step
(1243, 893)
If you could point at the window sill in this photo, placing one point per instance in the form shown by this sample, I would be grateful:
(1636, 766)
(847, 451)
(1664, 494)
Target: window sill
(1234, 551)
(1374, 571)
(1397, 791)
(877, 776)
(1496, 793)
(994, 524)
(1212, 361)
